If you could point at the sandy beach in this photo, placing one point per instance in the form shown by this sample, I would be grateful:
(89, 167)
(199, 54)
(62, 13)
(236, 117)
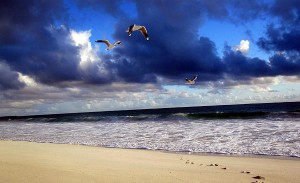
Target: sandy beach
(42, 162)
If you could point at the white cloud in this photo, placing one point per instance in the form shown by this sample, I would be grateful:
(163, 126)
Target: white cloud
(82, 40)
(27, 80)
(42, 99)
(243, 46)
(91, 65)
(261, 89)
(292, 79)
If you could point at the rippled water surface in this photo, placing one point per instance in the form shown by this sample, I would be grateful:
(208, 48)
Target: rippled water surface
(270, 135)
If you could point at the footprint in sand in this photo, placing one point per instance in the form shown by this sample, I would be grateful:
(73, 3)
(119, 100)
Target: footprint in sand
(213, 165)
(256, 177)
(259, 177)
(257, 182)
(247, 172)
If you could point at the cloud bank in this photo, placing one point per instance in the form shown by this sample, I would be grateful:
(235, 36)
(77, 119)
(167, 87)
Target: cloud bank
(34, 45)
(39, 48)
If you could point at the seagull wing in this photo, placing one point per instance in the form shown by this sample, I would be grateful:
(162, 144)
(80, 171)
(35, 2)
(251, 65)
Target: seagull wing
(118, 42)
(104, 41)
(144, 32)
(130, 29)
(194, 79)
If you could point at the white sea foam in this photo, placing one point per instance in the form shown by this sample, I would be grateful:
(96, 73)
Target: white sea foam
(266, 136)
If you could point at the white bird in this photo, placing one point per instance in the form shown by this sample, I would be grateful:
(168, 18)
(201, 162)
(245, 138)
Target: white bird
(142, 29)
(109, 45)
(190, 81)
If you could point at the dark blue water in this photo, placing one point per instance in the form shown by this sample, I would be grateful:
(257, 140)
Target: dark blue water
(243, 111)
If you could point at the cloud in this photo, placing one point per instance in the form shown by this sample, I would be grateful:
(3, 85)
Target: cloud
(143, 62)
(281, 39)
(175, 51)
(285, 65)
(48, 62)
(60, 55)
(241, 67)
(9, 79)
(229, 84)
(287, 11)
(108, 6)
(293, 79)
(27, 80)
(33, 45)
(50, 99)
(243, 47)
(92, 68)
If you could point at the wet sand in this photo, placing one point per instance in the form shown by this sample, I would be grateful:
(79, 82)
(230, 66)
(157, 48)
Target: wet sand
(42, 162)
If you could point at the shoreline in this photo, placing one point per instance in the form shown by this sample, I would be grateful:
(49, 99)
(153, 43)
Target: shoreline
(22, 161)
(177, 152)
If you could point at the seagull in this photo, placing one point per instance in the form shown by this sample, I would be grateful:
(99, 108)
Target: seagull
(109, 45)
(142, 29)
(190, 81)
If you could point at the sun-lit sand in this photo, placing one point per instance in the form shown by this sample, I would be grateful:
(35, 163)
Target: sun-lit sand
(41, 162)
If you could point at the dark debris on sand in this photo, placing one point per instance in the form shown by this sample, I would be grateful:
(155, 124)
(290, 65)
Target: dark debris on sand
(259, 177)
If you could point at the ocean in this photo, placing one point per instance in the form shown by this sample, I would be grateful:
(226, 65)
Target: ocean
(271, 129)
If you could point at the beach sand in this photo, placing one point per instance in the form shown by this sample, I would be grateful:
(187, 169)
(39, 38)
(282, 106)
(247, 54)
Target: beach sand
(42, 162)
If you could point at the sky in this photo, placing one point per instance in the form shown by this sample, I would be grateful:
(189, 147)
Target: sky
(243, 51)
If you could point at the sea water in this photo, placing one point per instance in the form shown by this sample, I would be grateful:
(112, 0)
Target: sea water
(256, 129)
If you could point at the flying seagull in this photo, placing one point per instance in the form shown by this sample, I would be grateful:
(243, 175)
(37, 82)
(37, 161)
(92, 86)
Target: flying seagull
(190, 81)
(142, 29)
(109, 45)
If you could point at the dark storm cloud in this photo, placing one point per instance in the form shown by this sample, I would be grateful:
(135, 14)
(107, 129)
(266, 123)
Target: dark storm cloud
(235, 11)
(287, 11)
(109, 6)
(31, 44)
(284, 36)
(174, 50)
(9, 79)
(20, 17)
(130, 71)
(242, 67)
(280, 39)
(285, 65)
